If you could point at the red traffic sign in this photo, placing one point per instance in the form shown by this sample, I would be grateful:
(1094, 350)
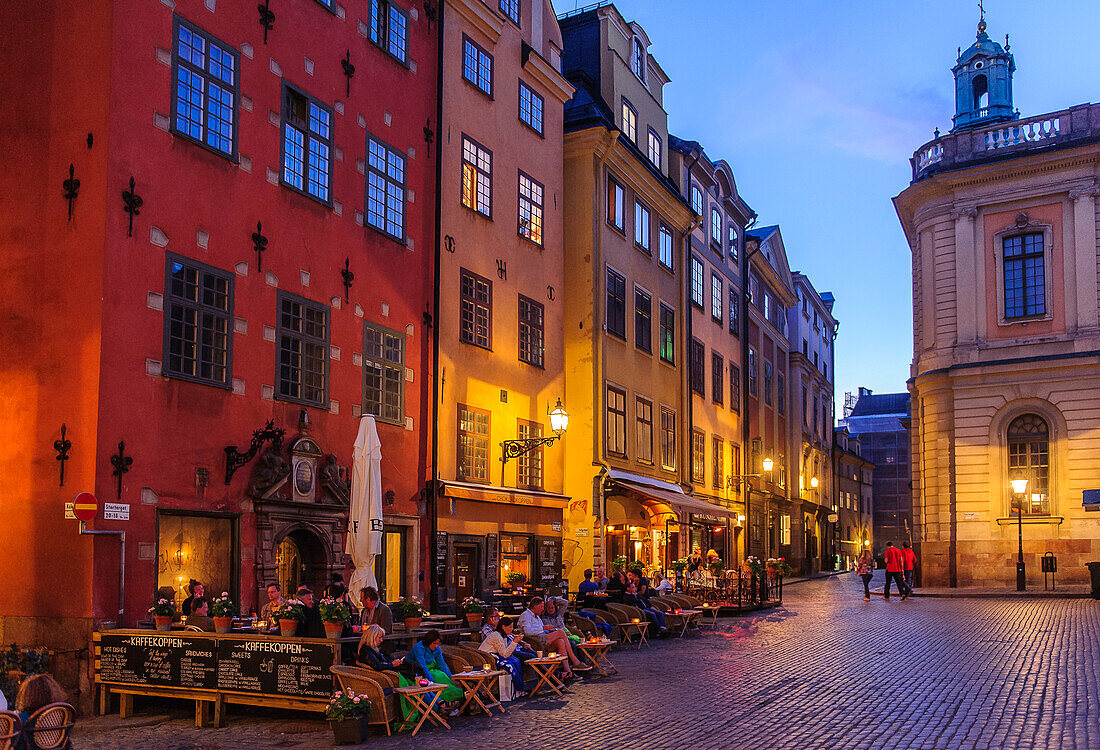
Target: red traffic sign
(86, 507)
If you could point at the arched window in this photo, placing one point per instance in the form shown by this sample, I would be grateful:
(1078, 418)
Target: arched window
(637, 59)
(1029, 458)
(981, 92)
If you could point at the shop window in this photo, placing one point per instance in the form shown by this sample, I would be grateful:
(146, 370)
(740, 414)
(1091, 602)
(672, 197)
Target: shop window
(201, 546)
(515, 556)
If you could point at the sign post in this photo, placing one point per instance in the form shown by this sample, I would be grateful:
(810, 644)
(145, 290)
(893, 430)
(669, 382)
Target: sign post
(86, 508)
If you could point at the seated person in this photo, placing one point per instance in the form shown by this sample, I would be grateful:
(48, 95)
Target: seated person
(588, 586)
(617, 585)
(503, 645)
(553, 617)
(274, 599)
(370, 651)
(426, 659)
(35, 692)
(533, 630)
(374, 611)
(311, 626)
(195, 590)
(661, 585)
(655, 616)
(601, 578)
(490, 618)
(200, 615)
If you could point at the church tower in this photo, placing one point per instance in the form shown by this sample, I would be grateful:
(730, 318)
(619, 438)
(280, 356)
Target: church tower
(983, 83)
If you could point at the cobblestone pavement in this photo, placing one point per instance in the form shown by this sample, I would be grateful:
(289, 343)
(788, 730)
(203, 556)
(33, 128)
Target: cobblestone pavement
(825, 670)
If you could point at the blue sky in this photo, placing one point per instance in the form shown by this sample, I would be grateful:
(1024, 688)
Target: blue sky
(818, 105)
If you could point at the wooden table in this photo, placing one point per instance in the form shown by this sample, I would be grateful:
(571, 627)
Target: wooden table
(545, 667)
(708, 609)
(597, 652)
(476, 685)
(415, 695)
(641, 627)
(687, 617)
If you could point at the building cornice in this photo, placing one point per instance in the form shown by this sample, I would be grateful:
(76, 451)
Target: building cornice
(480, 16)
(543, 73)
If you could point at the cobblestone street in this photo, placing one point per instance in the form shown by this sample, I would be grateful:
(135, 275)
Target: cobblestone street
(826, 670)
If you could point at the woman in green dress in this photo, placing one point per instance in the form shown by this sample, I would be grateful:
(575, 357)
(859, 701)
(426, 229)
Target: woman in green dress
(426, 659)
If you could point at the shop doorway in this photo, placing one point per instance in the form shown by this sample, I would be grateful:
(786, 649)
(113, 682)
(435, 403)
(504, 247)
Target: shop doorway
(299, 561)
(390, 566)
(466, 568)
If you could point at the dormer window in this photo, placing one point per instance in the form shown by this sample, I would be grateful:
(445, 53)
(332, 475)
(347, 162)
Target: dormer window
(637, 60)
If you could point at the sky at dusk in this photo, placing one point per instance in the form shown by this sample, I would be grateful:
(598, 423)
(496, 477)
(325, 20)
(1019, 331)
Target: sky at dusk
(818, 105)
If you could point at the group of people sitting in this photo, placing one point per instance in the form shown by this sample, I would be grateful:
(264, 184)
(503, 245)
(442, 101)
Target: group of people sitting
(630, 587)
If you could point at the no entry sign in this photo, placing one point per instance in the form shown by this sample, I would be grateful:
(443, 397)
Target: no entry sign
(86, 507)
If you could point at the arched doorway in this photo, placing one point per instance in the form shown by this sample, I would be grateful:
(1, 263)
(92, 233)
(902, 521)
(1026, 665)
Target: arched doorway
(300, 559)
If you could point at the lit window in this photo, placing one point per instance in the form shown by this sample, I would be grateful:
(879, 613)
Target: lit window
(477, 177)
(385, 188)
(530, 209)
(204, 99)
(307, 144)
(1029, 458)
(654, 149)
(630, 122)
(667, 333)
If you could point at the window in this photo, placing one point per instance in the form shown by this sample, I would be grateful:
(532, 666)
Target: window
(752, 372)
(616, 421)
(733, 242)
(637, 59)
(668, 439)
(767, 382)
(389, 27)
(476, 308)
(303, 351)
(696, 282)
(384, 373)
(529, 466)
(780, 392)
(696, 200)
(718, 476)
(698, 456)
(510, 8)
(616, 304)
(641, 226)
(643, 415)
(668, 334)
(1024, 276)
(643, 320)
(477, 65)
(205, 75)
(531, 339)
(530, 209)
(654, 149)
(385, 189)
(473, 444)
(735, 388)
(664, 246)
(767, 305)
(530, 107)
(716, 298)
(698, 367)
(477, 177)
(735, 460)
(616, 200)
(805, 418)
(785, 529)
(716, 228)
(630, 122)
(781, 470)
(197, 312)
(1029, 458)
(307, 144)
(717, 377)
(735, 312)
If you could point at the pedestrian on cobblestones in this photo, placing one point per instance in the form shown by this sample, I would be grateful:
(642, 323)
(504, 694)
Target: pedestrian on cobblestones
(865, 569)
(894, 564)
(909, 562)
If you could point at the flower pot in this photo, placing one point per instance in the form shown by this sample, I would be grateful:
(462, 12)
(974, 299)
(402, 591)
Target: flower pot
(412, 622)
(288, 628)
(223, 624)
(333, 630)
(473, 619)
(773, 573)
(349, 731)
(164, 622)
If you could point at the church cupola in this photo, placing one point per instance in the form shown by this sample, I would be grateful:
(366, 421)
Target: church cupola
(983, 83)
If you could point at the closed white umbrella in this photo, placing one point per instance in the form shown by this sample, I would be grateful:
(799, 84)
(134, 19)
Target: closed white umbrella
(364, 540)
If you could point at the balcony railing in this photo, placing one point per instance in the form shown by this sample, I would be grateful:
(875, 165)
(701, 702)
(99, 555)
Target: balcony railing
(1074, 126)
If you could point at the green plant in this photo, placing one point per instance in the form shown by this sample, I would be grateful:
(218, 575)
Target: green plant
(162, 608)
(619, 563)
(679, 565)
(472, 605)
(754, 565)
(334, 610)
(291, 609)
(220, 606)
(347, 705)
(515, 578)
(407, 607)
(716, 565)
(779, 565)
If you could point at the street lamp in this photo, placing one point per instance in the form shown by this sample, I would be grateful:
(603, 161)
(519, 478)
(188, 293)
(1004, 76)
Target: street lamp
(813, 483)
(1019, 488)
(767, 464)
(509, 449)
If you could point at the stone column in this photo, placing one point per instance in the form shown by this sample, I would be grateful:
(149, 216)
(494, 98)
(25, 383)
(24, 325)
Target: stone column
(1085, 256)
(967, 295)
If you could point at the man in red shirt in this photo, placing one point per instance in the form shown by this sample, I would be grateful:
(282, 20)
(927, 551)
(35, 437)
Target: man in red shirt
(908, 562)
(894, 563)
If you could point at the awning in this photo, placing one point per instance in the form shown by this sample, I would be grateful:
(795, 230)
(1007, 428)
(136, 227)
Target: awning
(667, 493)
(507, 495)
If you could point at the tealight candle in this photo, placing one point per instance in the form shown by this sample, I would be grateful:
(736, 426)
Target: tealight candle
(635, 620)
(485, 667)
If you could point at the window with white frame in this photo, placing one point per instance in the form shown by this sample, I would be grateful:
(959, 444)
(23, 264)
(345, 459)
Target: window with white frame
(654, 149)
(735, 312)
(696, 282)
(477, 65)
(385, 188)
(529, 465)
(616, 208)
(477, 177)
(638, 60)
(307, 144)
(716, 228)
(641, 226)
(664, 246)
(205, 95)
(510, 8)
(733, 242)
(716, 298)
(530, 107)
(530, 209)
(630, 121)
(696, 200)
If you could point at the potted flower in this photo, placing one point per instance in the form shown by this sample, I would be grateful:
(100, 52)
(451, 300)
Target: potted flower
(221, 609)
(409, 610)
(162, 611)
(716, 566)
(334, 615)
(778, 567)
(752, 566)
(347, 714)
(515, 580)
(679, 565)
(289, 614)
(619, 563)
(474, 609)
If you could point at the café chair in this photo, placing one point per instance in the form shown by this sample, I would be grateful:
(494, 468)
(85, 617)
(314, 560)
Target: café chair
(376, 687)
(10, 727)
(50, 726)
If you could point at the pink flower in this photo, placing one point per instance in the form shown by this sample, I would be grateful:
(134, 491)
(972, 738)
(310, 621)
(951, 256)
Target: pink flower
(357, 699)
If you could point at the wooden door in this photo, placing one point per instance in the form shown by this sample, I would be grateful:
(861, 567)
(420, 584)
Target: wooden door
(465, 572)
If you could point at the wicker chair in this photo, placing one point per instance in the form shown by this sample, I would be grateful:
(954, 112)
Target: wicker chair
(674, 621)
(586, 627)
(50, 726)
(604, 616)
(10, 726)
(623, 614)
(363, 681)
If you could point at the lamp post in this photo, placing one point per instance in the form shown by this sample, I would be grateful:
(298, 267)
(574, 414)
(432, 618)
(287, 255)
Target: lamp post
(767, 465)
(509, 449)
(1019, 488)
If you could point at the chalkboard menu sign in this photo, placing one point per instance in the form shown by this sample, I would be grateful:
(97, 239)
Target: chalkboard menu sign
(441, 556)
(241, 665)
(492, 558)
(549, 559)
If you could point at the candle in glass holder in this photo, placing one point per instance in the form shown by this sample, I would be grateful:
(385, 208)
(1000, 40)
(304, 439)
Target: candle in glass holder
(635, 620)
(485, 667)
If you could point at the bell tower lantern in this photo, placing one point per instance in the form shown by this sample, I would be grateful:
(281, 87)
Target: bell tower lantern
(983, 83)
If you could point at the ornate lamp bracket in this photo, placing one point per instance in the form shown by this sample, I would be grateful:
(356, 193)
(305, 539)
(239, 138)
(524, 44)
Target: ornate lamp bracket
(234, 459)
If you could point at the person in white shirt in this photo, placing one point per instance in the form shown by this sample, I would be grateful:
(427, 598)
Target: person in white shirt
(533, 631)
(663, 585)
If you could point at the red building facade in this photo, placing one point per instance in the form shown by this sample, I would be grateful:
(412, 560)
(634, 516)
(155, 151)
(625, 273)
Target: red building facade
(278, 269)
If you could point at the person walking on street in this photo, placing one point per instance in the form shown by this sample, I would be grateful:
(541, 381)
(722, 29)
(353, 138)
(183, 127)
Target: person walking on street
(865, 567)
(894, 562)
(908, 562)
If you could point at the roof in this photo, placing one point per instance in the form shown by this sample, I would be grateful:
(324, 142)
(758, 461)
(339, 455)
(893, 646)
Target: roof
(762, 233)
(881, 404)
(983, 45)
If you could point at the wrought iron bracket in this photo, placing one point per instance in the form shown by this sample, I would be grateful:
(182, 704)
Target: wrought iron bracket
(259, 244)
(234, 459)
(131, 205)
(510, 449)
(348, 276)
(72, 189)
(62, 447)
(122, 464)
(267, 18)
(349, 71)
